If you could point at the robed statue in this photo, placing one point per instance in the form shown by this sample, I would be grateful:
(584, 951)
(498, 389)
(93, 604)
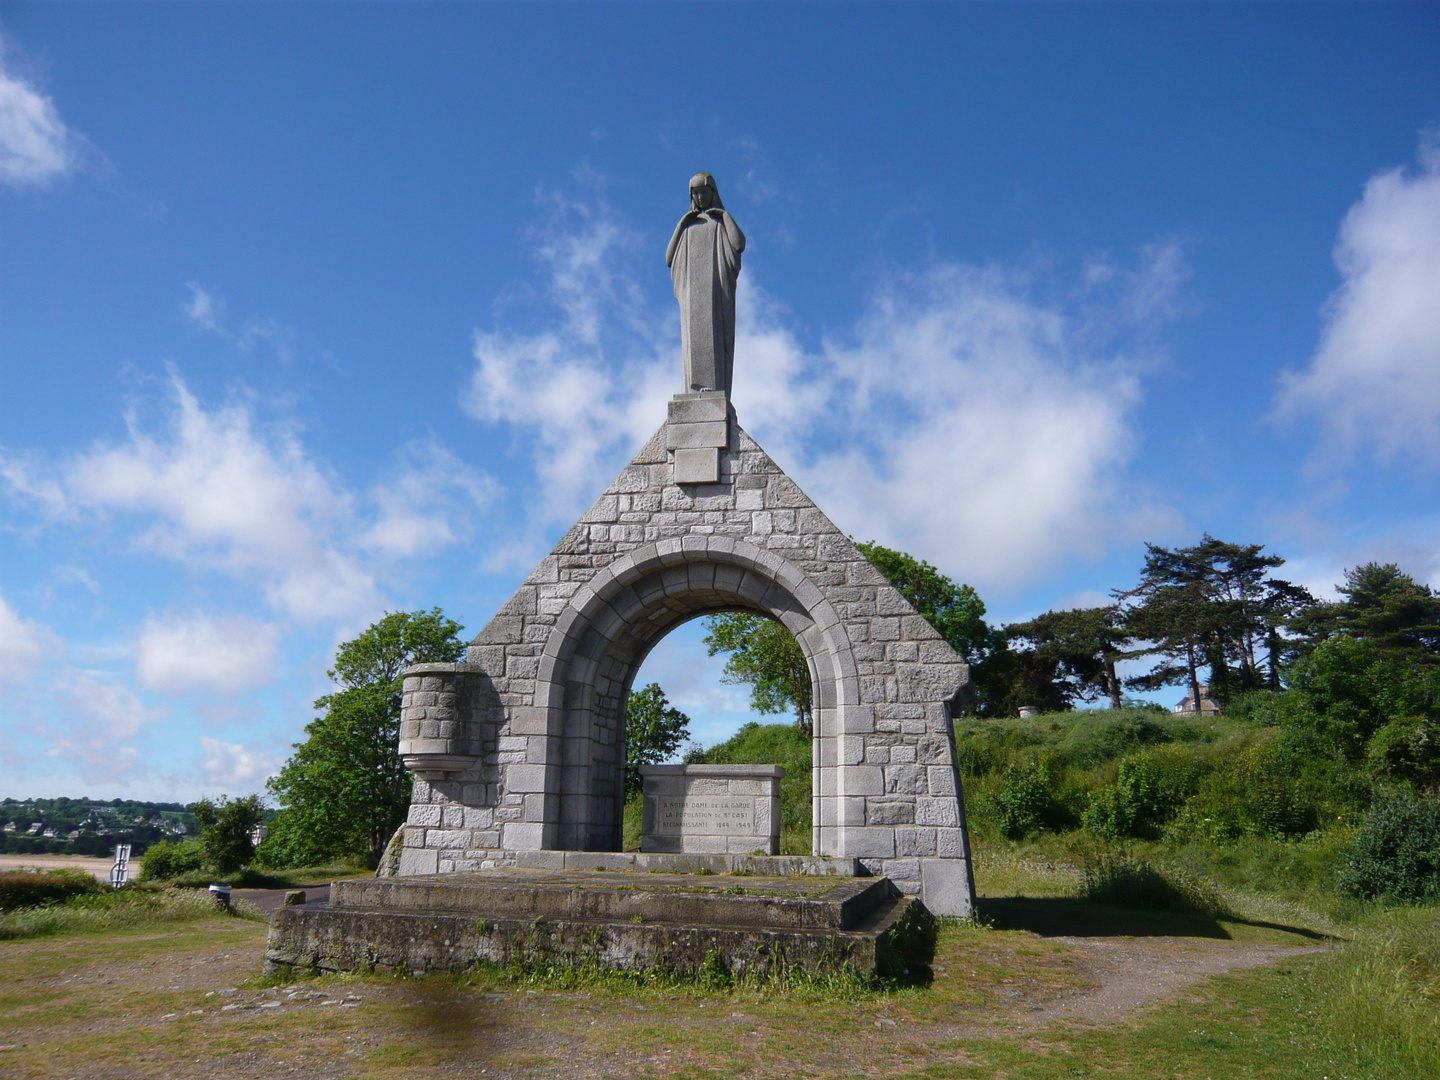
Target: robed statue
(704, 261)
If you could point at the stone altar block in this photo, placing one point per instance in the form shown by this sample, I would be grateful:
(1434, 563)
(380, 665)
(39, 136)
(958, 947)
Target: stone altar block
(721, 809)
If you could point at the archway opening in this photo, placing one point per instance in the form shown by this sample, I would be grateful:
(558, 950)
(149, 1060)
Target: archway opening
(594, 655)
(728, 721)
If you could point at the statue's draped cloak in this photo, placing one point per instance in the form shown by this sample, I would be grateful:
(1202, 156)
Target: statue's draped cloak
(704, 270)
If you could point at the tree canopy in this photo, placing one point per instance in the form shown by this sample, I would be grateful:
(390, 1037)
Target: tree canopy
(654, 731)
(1212, 604)
(766, 657)
(1082, 645)
(1383, 605)
(344, 791)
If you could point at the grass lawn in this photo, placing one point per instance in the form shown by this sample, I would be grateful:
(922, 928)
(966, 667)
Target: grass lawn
(1059, 988)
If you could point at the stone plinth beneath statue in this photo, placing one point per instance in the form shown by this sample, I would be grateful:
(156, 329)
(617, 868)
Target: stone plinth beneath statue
(720, 809)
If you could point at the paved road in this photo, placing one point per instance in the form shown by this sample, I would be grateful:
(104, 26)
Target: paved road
(268, 900)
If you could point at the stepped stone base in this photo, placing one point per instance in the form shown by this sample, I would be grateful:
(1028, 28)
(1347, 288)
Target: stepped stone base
(616, 919)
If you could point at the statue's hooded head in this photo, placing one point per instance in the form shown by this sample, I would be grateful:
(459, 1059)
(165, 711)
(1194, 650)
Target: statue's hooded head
(704, 195)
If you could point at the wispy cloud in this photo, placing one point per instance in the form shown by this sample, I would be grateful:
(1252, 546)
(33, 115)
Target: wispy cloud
(589, 383)
(216, 489)
(971, 423)
(36, 148)
(1374, 381)
(221, 654)
(235, 768)
(204, 309)
(94, 723)
(426, 503)
(22, 644)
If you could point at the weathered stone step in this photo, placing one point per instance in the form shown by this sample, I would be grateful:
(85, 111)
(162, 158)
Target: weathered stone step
(659, 899)
(692, 863)
(894, 934)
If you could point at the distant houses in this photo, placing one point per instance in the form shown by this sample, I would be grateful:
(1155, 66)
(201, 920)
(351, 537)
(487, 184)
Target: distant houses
(1207, 705)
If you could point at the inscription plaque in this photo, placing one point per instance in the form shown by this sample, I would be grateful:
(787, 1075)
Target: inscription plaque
(711, 809)
(716, 815)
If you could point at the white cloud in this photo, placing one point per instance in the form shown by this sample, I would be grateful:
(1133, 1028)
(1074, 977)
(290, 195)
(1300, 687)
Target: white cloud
(217, 491)
(22, 644)
(226, 654)
(974, 430)
(960, 417)
(1375, 378)
(235, 768)
(426, 503)
(35, 145)
(204, 309)
(94, 724)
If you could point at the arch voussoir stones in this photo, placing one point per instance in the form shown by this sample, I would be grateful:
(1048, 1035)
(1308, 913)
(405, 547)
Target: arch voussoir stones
(528, 751)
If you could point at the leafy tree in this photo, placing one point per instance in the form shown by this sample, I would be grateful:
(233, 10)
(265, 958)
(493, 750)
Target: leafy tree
(766, 656)
(1347, 690)
(344, 791)
(1084, 644)
(654, 730)
(225, 844)
(1009, 678)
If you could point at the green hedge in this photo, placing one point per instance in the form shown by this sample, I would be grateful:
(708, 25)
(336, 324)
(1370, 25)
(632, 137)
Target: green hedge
(23, 889)
(171, 858)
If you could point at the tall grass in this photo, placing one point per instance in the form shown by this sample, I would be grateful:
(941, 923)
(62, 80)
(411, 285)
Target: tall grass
(133, 906)
(1125, 881)
(1378, 994)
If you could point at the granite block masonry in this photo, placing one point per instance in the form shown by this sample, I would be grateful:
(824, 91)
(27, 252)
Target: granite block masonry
(704, 809)
(521, 748)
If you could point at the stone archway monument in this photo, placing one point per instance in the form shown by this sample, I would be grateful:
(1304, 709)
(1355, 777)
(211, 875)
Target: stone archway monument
(520, 750)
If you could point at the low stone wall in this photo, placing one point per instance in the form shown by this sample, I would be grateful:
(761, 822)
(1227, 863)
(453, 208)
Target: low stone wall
(721, 809)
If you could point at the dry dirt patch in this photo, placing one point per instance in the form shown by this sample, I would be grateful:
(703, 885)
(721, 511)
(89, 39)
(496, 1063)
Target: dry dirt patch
(186, 1004)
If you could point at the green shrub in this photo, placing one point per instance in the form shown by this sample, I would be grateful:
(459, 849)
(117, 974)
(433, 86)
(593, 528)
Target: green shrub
(1347, 690)
(1278, 788)
(1396, 854)
(1024, 799)
(1407, 748)
(978, 754)
(27, 888)
(1122, 881)
(170, 858)
(1149, 790)
(226, 826)
(1110, 734)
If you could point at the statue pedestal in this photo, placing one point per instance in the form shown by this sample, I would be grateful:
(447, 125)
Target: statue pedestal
(698, 429)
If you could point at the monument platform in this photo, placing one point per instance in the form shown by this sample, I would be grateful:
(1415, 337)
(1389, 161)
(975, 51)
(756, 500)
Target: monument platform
(623, 919)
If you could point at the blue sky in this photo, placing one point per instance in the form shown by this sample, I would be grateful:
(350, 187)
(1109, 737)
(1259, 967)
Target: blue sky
(310, 312)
